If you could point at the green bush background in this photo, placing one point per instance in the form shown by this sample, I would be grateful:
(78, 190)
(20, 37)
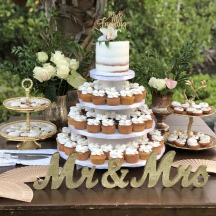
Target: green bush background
(161, 25)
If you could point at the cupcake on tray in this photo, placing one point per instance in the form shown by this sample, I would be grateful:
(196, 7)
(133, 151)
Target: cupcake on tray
(113, 98)
(185, 105)
(175, 104)
(143, 140)
(180, 142)
(116, 154)
(144, 151)
(192, 143)
(131, 155)
(205, 107)
(70, 147)
(107, 148)
(205, 141)
(190, 110)
(97, 156)
(197, 112)
(178, 110)
(61, 139)
(86, 95)
(108, 126)
(148, 121)
(206, 110)
(158, 138)
(127, 97)
(99, 97)
(82, 152)
(83, 88)
(119, 117)
(152, 133)
(138, 124)
(93, 125)
(156, 146)
(80, 122)
(138, 95)
(125, 126)
(172, 138)
(83, 141)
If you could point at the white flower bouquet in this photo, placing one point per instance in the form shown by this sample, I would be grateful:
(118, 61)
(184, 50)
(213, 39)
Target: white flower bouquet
(56, 74)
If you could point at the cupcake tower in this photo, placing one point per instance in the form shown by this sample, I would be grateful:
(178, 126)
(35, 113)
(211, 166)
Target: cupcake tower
(188, 139)
(110, 127)
(27, 131)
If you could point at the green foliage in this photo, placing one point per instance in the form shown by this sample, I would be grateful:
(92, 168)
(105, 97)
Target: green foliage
(163, 25)
(9, 90)
(178, 68)
(20, 25)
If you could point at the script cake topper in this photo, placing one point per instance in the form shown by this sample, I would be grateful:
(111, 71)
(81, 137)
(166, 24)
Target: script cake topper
(114, 19)
(118, 180)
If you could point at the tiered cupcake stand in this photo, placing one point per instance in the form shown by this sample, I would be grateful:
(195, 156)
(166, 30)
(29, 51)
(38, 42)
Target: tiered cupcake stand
(189, 129)
(116, 80)
(27, 142)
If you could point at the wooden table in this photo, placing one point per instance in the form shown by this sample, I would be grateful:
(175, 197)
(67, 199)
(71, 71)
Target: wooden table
(128, 201)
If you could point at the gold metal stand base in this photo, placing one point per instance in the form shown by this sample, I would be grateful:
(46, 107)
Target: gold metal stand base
(28, 145)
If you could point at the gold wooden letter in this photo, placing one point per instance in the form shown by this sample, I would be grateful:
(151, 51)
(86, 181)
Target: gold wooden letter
(117, 181)
(66, 173)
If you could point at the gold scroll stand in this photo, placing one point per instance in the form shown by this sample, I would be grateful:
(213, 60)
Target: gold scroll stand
(28, 144)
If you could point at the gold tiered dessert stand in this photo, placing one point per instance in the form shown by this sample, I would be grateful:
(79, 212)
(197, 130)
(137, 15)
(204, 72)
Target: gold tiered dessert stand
(27, 142)
(189, 129)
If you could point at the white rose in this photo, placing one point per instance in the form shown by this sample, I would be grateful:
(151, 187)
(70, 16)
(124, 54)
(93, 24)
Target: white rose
(57, 56)
(42, 57)
(50, 69)
(161, 84)
(152, 82)
(62, 62)
(41, 74)
(74, 64)
(62, 72)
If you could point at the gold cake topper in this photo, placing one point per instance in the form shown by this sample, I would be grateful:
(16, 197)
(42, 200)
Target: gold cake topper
(113, 19)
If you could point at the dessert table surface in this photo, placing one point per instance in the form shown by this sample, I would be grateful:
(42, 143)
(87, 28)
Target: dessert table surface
(122, 201)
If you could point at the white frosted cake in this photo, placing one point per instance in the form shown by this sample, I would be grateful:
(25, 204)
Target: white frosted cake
(114, 58)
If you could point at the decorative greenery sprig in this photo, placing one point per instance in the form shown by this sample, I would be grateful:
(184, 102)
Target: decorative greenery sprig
(177, 68)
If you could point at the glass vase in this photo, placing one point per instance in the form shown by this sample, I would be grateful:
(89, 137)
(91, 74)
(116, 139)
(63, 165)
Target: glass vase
(57, 113)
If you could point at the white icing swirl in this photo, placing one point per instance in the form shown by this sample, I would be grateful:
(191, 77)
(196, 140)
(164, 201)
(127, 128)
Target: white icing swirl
(145, 148)
(154, 144)
(70, 144)
(80, 118)
(192, 142)
(126, 122)
(116, 153)
(138, 120)
(82, 148)
(93, 122)
(126, 93)
(107, 122)
(96, 151)
(107, 147)
(100, 93)
(131, 151)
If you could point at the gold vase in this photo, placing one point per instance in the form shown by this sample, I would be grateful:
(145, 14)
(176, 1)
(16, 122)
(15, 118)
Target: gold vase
(57, 113)
(159, 106)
